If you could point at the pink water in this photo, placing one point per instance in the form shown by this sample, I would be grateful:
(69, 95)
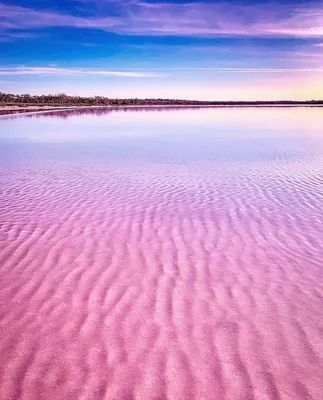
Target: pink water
(169, 254)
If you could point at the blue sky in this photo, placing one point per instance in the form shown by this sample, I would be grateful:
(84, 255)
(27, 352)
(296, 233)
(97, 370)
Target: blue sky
(221, 50)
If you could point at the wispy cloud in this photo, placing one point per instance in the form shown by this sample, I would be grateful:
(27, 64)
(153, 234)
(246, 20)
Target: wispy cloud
(49, 71)
(257, 70)
(153, 73)
(270, 19)
(16, 17)
(4, 37)
(229, 19)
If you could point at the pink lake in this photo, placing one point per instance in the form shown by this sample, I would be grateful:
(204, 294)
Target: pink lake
(162, 254)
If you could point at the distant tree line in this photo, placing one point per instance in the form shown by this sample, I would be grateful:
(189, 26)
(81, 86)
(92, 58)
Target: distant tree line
(62, 100)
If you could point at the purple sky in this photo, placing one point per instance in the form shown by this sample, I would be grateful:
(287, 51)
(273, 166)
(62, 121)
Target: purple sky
(199, 50)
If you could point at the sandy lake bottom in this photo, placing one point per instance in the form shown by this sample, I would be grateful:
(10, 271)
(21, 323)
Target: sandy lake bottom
(164, 254)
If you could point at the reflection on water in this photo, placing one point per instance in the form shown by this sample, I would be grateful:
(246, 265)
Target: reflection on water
(174, 135)
(173, 253)
(98, 111)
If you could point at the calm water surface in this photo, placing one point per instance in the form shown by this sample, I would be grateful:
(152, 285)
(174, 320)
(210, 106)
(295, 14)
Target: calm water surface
(162, 254)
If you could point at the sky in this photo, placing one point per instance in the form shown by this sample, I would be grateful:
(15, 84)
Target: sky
(203, 50)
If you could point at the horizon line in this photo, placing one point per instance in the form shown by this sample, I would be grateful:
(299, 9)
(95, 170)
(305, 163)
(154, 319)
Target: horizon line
(156, 98)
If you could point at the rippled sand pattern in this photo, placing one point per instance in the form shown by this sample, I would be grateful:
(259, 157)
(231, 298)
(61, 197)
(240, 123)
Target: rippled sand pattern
(161, 281)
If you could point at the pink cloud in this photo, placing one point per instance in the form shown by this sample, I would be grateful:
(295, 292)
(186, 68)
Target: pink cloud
(15, 17)
(188, 19)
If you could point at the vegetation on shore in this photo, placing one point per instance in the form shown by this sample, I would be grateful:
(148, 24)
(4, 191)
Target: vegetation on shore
(62, 100)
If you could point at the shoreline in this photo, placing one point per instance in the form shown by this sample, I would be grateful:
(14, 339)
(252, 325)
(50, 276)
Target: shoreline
(16, 110)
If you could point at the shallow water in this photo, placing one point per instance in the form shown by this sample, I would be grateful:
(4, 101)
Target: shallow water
(162, 254)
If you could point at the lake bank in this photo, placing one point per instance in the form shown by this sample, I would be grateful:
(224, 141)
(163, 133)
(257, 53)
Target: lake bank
(16, 109)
